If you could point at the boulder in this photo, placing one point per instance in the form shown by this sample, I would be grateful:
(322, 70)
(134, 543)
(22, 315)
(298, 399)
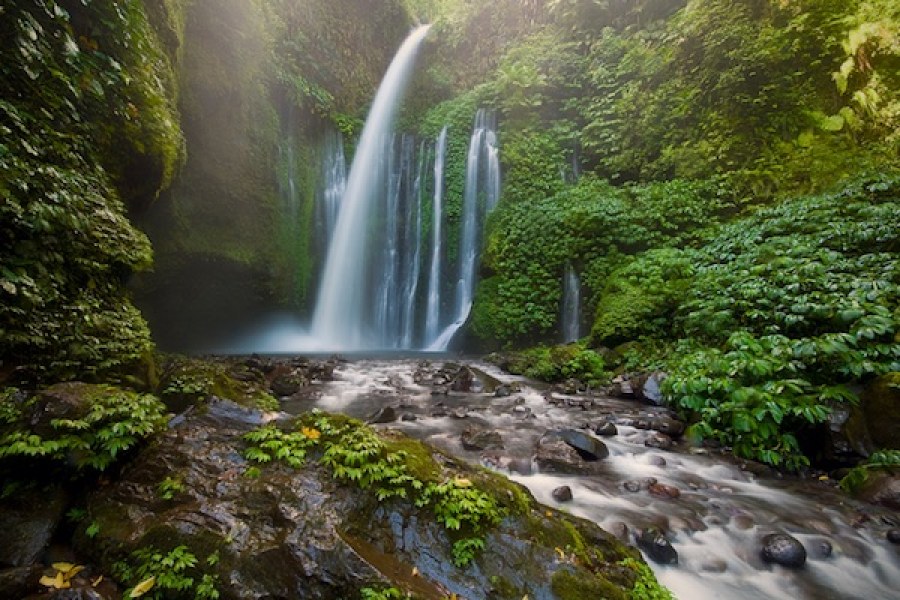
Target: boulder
(465, 380)
(881, 487)
(28, 521)
(661, 490)
(589, 447)
(659, 440)
(893, 536)
(301, 533)
(783, 549)
(18, 581)
(288, 384)
(562, 494)
(667, 425)
(476, 438)
(658, 549)
(606, 429)
(386, 414)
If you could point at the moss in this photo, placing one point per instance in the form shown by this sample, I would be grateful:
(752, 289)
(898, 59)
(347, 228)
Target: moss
(503, 589)
(185, 381)
(578, 583)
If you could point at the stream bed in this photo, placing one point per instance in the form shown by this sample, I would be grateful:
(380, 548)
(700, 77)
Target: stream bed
(713, 509)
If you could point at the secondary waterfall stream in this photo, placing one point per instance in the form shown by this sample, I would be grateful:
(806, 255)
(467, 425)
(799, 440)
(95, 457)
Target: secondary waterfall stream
(716, 523)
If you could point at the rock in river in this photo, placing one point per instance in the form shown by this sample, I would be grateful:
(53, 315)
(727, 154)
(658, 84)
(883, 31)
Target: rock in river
(783, 549)
(658, 548)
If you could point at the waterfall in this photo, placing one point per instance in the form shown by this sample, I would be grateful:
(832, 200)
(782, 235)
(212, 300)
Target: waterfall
(480, 195)
(433, 306)
(571, 306)
(333, 182)
(413, 242)
(339, 321)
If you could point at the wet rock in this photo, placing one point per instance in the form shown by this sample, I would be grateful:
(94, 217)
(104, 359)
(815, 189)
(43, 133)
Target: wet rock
(606, 429)
(649, 390)
(783, 549)
(476, 438)
(883, 488)
(669, 426)
(80, 592)
(714, 565)
(743, 522)
(288, 385)
(642, 423)
(18, 581)
(589, 447)
(301, 531)
(502, 391)
(27, 522)
(554, 455)
(824, 549)
(658, 549)
(893, 536)
(636, 485)
(620, 530)
(407, 417)
(522, 411)
(659, 440)
(661, 490)
(621, 388)
(465, 381)
(656, 460)
(562, 494)
(386, 414)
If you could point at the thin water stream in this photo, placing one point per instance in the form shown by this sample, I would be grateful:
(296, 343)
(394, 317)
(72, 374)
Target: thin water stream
(715, 524)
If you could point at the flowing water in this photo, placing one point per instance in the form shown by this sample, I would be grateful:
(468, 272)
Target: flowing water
(433, 306)
(716, 523)
(339, 319)
(571, 305)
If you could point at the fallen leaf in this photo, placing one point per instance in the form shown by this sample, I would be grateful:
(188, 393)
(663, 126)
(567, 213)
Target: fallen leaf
(559, 551)
(63, 566)
(142, 588)
(97, 581)
(463, 482)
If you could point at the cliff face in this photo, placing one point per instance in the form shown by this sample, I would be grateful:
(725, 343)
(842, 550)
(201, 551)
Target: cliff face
(89, 130)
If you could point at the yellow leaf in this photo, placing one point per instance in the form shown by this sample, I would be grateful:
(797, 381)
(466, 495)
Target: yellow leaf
(59, 582)
(63, 566)
(97, 581)
(142, 588)
(311, 433)
(463, 482)
(559, 551)
(48, 581)
(73, 572)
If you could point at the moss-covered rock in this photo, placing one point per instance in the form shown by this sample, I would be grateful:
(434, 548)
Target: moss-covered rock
(308, 521)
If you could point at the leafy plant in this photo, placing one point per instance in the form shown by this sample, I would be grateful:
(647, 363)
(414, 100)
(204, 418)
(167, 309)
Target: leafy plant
(169, 487)
(881, 460)
(645, 587)
(160, 575)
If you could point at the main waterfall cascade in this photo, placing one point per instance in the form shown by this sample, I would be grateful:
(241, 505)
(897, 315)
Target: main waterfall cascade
(340, 317)
(433, 306)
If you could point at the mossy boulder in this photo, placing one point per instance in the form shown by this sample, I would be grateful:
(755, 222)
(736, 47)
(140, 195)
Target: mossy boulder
(879, 411)
(312, 527)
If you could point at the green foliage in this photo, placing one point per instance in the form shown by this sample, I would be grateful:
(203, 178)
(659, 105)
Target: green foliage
(558, 363)
(593, 224)
(112, 422)
(156, 574)
(645, 587)
(881, 460)
(392, 593)
(87, 118)
(186, 381)
(357, 454)
(788, 307)
(639, 297)
(169, 487)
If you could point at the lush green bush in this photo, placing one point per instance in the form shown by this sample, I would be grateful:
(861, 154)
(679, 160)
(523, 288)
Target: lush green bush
(102, 424)
(87, 118)
(788, 307)
(557, 363)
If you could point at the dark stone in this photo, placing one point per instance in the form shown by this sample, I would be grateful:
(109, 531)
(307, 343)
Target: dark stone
(642, 423)
(386, 414)
(893, 536)
(658, 549)
(85, 592)
(408, 417)
(288, 385)
(621, 388)
(502, 391)
(554, 455)
(464, 381)
(661, 490)
(648, 389)
(883, 488)
(824, 549)
(476, 438)
(636, 485)
(18, 581)
(589, 447)
(656, 460)
(669, 426)
(783, 549)
(606, 429)
(562, 494)
(27, 523)
(659, 440)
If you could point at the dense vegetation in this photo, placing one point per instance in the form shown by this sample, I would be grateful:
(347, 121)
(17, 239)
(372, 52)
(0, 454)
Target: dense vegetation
(723, 176)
